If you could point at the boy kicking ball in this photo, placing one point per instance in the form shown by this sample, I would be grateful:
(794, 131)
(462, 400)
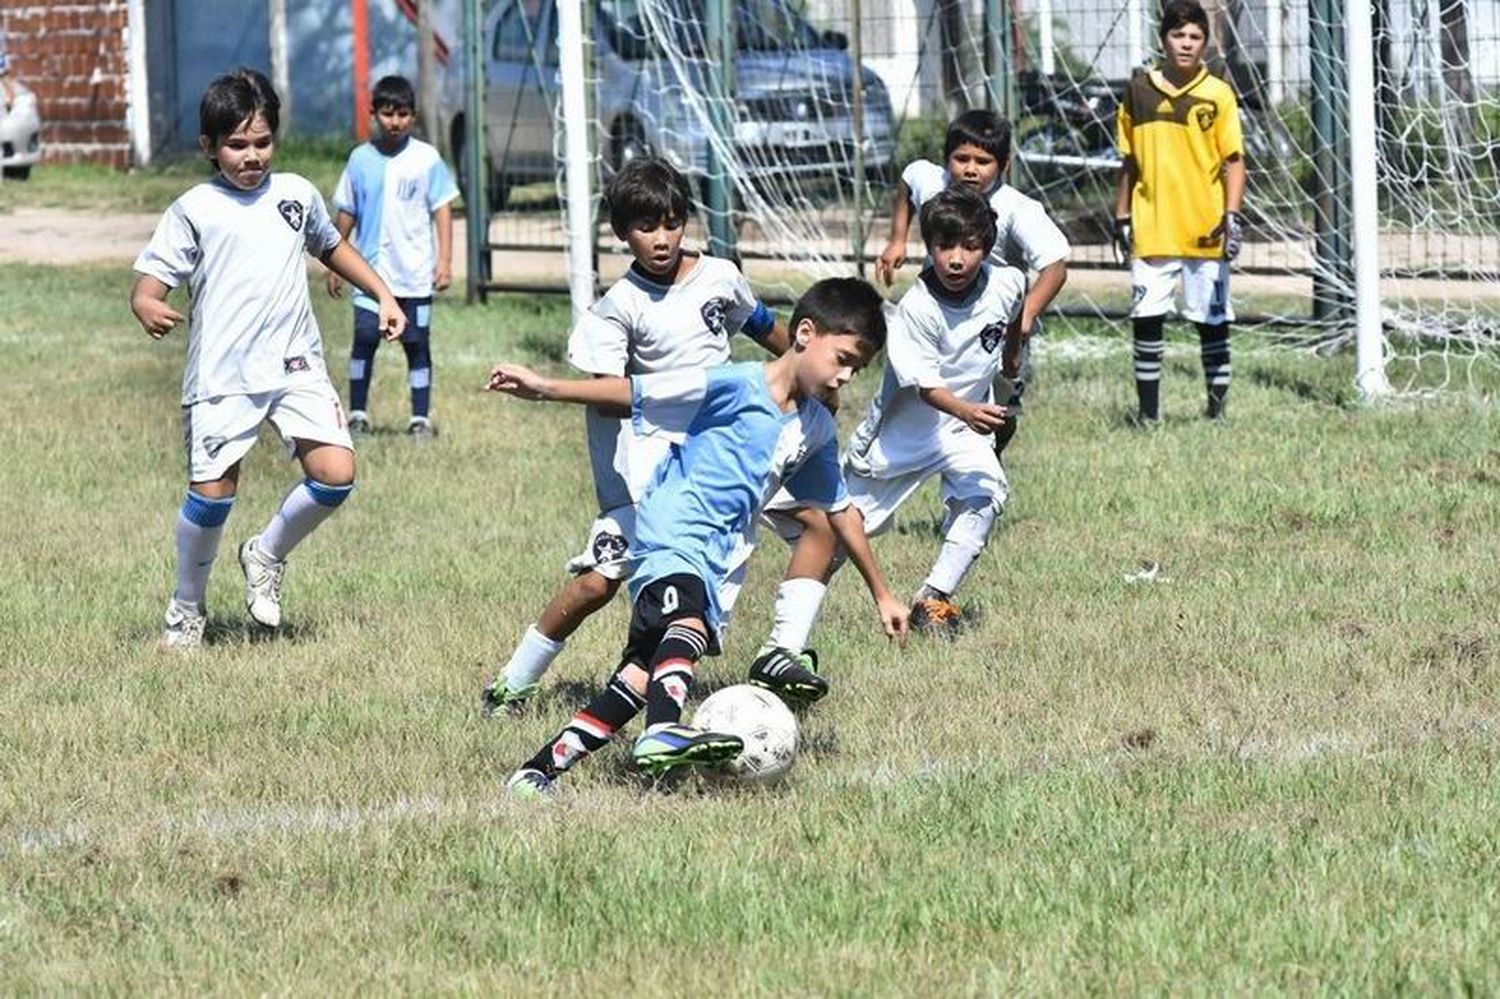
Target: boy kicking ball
(254, 351)
(739, 432)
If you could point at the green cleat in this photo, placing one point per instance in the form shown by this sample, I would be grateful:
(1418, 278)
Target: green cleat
(669, 746)
(497, 697)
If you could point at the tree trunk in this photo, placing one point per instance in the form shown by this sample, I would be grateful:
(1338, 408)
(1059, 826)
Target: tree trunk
(962, 72)
(430, 117)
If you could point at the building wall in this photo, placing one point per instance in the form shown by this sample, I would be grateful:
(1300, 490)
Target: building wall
(73, 54)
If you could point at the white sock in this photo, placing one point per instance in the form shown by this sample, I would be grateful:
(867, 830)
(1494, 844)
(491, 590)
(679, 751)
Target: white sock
(968, 530)
(531, 659)
(200, 525)
(307, 505)
(797, 604)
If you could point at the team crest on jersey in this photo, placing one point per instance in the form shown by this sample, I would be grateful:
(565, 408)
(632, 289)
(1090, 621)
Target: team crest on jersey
(1205, 115)
(291, 211)
(609, 548)
(713, 315)
(990, 337)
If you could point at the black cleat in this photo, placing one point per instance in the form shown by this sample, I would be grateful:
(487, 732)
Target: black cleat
(789, 675)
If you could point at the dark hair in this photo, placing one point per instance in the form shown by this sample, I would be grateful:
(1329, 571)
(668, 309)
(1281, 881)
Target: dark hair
(985, 129)
(647, 189)
(957, 214)
(393, 92)
(843, 305)
(235, 98)
(1176, 13)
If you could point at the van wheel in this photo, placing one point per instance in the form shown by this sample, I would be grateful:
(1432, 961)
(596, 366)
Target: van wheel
(18, 172)
(497, 190)
(627, 142)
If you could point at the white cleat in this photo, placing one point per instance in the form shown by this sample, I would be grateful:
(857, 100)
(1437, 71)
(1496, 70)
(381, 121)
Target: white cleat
(182, 627)
(262, 584)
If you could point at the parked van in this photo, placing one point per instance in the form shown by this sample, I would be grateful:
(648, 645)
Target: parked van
(793, 88)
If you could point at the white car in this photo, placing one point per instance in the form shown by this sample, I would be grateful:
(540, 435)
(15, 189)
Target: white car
(20, 129)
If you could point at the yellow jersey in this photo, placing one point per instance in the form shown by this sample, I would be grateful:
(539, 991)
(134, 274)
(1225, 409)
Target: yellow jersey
(1180, 138)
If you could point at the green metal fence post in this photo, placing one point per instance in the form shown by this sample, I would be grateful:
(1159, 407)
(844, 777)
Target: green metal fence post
(722, 48)
(476, 202)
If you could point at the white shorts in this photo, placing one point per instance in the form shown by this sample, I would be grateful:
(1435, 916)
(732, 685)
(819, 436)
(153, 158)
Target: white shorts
(608, 550)
(219, 432)
(970, 476)
(1205, 288)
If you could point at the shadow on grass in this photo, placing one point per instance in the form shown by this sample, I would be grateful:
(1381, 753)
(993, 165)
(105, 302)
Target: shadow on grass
(1337, 395)
(222, 633)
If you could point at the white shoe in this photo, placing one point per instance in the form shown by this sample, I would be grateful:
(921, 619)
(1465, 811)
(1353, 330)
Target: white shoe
(421, 428)
(262, 584)
(359, 421)
(183, 626)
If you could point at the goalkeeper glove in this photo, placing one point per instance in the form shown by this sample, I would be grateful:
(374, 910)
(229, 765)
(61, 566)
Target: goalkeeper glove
(1233, 229)
(1122, 239)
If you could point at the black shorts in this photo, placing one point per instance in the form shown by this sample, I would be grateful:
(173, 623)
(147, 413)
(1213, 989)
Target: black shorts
(663, 602)
(418, 321)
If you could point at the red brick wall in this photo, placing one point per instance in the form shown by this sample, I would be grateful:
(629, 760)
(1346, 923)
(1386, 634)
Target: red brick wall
(73, 54)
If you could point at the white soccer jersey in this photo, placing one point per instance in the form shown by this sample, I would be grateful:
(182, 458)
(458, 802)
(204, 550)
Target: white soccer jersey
(392, 198)
(242, 255)
(936, 341)
(1025, 236)
(641, 327)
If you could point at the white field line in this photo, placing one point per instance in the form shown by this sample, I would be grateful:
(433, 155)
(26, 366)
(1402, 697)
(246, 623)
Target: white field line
(296, 821)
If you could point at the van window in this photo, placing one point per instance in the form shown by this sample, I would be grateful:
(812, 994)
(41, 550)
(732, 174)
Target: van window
(512, 36)
(772, 26)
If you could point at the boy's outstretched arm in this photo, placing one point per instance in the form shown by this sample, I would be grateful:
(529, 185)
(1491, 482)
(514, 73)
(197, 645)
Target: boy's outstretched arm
(611, 394)
(894, 254)
(344, 223)
(1049, 281)
(442, 221)
(148, 300)
(980, 417)
(849, 527)
(345, 261)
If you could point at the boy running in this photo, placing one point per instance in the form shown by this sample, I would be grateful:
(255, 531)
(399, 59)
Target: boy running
(932, 416)
(976, 153)
(394, 193)
(1177, 206)
(738, 432)
(671, 310)
(254, 351)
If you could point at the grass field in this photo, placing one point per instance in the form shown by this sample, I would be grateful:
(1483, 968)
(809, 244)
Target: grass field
(1272, 769)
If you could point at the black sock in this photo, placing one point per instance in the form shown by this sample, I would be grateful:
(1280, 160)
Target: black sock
(1148, 353)
(672, 674)
(361, 370)
(419, 375)
(1213, 343)
(590, 729)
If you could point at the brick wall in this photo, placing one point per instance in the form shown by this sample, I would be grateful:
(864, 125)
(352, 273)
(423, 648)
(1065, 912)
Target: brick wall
(73, 54)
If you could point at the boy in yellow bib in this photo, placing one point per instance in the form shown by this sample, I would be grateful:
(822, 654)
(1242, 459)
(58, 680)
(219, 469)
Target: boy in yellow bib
(1177, 207)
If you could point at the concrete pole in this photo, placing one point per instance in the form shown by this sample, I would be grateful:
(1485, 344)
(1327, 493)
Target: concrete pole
(281, 74)
(1363, 178)
(138, 84)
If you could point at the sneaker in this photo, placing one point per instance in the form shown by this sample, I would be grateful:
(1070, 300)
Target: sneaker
(668, 746)
(359, 421)
(1215, 408)
(183, 626)
(934, 616)
(262, 584)
(530, 784)
(421, 428)
(790, 676)
(498, 697)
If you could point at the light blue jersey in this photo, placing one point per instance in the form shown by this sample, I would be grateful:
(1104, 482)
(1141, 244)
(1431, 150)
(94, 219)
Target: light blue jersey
(732, 449)
(392, 198)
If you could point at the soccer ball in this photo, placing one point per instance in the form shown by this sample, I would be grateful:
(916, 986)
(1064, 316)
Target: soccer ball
(758, 717)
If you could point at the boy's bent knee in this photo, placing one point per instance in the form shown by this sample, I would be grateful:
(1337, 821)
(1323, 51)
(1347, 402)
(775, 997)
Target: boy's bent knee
(593, 588)
(329, 464)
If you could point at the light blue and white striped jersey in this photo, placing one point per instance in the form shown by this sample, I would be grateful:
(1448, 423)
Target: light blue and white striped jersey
(642, 326)
(242, 254)
(732, 449)
(392, 198)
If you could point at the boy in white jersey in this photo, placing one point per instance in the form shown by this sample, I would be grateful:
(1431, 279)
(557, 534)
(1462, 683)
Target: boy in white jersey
(976, 153)
(254, 351)
(954, 330)
(671, 310)
(394, 195)
(738, 432)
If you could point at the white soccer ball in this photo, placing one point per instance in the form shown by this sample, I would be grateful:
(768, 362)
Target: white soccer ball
(758, 717)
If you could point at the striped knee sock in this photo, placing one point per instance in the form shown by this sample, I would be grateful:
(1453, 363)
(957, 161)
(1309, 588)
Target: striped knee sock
(672, 674)
(590, 729)
(1148, 354)
(1213, 343)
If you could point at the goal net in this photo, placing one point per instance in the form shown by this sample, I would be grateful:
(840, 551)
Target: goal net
(794, 120)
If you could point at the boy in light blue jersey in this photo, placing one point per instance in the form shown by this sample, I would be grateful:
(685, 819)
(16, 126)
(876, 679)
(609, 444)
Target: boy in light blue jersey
(738, 433)
(396, 197)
